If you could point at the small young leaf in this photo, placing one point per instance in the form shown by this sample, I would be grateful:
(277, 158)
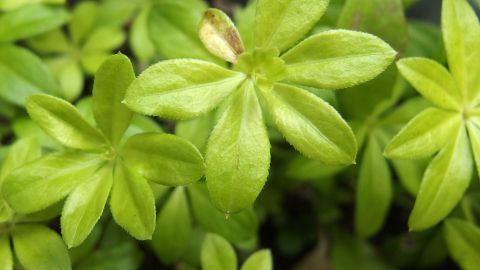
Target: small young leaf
(181, 89)
(164, 158)
(337, 59)
(220, 36)
(282, 23)
(431, 80)
(445, 180)
(132, 203)
(461, 36)
(463, 241)
(217, 254)
(46, 181)
(6, 258)
(260, 260)
(20, 80)
(84, 206)
(61, 121)
(423, 135)
(238, 153)
(38, 247)
(173, 229)
(374, 191)
(237, 228)
(111, 82)
(29, 21)
(311, 125)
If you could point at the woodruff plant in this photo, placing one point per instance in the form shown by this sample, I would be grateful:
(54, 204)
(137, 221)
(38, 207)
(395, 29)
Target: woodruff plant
(452, 126)
(23, 230)
(100, 163)
(271, 76)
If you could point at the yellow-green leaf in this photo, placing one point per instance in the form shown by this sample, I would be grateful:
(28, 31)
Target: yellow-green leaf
(445, 180)
(337, 59)
(311, 125)
(238, 153)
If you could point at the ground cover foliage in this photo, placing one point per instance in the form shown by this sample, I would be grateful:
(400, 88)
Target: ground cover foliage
(251, 135)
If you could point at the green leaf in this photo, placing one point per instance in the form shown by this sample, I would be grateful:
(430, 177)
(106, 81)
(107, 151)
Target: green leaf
(132, 203)
(24, 127)
(374, 190)
(51, 42)
(62, 121)
(197, 130)
(363, 15)
(410, 174)
(461, 36)
(116, 13)
(38, 247)
(463, 241)
(83, 21)
(6, 258)
(69, 74)
(431, 80)
(18, 80)
(181, 89)
(337, 59)
(141, 124)
(425, 41)
(424, 135)
(116, 250)
(173, 229)
(139, 40)
(217, 254)
(245, 20)
(445, 180)
(111, 82)
(92, 60)
(29, 21)
(173, 29)
(14, 4)
(238, 153)
(311, 125)
(301, 168)
(21, 152)
(236, 228)
(282, 23)
(260, 260)
(104, 39)
(474, 135)
(220, 36)
(84, 206)
(46, 181)
(164, 158)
